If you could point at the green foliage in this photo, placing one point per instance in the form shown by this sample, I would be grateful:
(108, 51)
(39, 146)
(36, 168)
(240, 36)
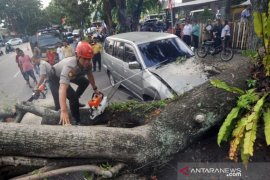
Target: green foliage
(251, 127)
(223, 85)
(180, 59)
(247, 99)
(107, 166)
(266, 118)
(241, 123)
(262, 29)
(251, 83)
(250, 54)
(225, 129)
(88, 176)
(244, 102)
(21, 15)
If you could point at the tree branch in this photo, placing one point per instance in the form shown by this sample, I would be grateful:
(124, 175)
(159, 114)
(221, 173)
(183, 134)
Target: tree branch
(92, 168)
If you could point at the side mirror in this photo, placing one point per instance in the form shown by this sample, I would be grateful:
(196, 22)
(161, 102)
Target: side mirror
(134, 65)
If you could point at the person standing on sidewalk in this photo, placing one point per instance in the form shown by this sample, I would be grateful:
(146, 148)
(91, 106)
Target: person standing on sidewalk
(27, 67)
(187, 31)
(195, 34)
(226, 33)
(97, 48)
(67, 50)
(19, 65)
(59, 52)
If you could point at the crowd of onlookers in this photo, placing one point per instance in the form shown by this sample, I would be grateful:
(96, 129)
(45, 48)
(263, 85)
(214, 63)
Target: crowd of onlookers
(190, 31)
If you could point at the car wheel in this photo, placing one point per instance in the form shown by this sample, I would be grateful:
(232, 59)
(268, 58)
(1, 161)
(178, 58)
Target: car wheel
(111, 78)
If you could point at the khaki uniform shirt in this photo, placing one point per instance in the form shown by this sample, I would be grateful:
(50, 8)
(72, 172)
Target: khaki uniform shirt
(68, 69)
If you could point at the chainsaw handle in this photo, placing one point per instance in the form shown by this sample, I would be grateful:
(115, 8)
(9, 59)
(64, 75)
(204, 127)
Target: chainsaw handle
(96, 94)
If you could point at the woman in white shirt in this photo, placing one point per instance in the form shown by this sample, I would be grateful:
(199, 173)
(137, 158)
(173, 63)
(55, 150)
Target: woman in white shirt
(226, 33)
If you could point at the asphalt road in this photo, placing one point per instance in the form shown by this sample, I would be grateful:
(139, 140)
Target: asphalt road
(13, 87)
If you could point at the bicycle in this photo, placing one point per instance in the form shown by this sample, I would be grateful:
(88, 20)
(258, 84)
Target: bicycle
(207, 47)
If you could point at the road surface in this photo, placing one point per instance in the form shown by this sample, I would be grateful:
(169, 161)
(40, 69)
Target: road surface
(13, 87)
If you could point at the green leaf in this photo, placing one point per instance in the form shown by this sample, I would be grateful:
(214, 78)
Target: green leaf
(247, 99)
(266, 62)
(268, 21)
(258, 26)
(225, 129)
(244, 157)
(266, 118)
(265, 37)
(241, 124)
(223, 85)
(251, 126)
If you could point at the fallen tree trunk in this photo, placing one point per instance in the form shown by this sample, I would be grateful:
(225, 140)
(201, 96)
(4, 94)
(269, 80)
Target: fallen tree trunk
(168, 133)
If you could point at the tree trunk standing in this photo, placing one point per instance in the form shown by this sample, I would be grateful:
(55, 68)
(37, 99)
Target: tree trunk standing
(228, 9)
(107, 7)
(122, 17)
(136, 15)
(168, 133)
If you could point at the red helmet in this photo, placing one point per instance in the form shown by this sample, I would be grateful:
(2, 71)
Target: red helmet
(84, 50)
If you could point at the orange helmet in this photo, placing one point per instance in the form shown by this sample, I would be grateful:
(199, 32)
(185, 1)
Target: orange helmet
(84, 50)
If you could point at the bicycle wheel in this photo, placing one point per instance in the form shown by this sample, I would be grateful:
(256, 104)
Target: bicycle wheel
(202, 51)
(226, 54)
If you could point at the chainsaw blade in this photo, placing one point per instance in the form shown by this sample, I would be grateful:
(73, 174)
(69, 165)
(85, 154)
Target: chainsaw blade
(112, 91)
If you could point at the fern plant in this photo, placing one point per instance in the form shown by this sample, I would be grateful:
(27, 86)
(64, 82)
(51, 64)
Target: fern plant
(240, 125)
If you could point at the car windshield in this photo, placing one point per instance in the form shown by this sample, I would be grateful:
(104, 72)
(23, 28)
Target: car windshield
(164, 51)
(48, 39)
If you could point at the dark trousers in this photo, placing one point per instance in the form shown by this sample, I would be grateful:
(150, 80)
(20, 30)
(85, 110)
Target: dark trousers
(31, 74)
(195, 41)
(227, 41)
(97, 59)
(187, 39)
(72, 95)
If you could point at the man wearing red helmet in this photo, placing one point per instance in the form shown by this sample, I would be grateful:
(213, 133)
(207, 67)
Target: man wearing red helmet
(72, 70)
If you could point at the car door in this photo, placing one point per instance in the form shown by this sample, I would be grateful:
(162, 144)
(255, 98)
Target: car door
(117, 60)
(133, 77)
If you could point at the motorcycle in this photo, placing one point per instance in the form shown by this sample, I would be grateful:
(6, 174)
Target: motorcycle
(9, 48)
(208, 47)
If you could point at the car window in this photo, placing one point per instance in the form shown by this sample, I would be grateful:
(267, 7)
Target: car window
(108, 47)
(48, 39)
(129, 53)
(119, 50)
(163, 51)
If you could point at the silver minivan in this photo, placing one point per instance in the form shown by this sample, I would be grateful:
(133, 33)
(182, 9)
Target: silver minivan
(151, 65)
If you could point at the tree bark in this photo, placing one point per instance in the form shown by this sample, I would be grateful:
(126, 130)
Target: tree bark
(136, 15)
(173, 130)
(121, 16)
(107, 7)
(228, 9)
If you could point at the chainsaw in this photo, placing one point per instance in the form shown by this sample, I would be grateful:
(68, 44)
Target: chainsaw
(40, 92)
(99, 102)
